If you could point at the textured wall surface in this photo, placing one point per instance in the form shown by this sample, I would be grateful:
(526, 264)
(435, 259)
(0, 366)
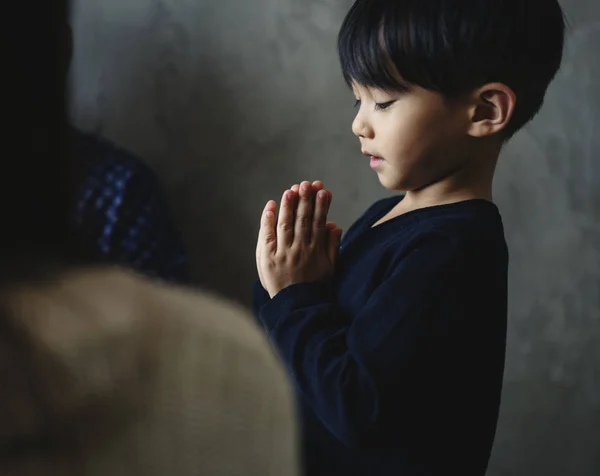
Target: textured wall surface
(234, 101)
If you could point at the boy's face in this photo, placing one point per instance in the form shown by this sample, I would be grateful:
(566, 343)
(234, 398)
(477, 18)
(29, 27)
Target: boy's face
(416, 137)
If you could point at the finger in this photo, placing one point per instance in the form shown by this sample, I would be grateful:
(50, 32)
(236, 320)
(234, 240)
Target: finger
(317, 185)
(296, 189)
(304, 214)
(331, 226)
(320, 217)
(335, 239)
(285, 222)
(271, 206)
(267, 237)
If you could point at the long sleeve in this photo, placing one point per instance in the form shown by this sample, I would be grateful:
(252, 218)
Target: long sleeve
(356, 372)
(259, 298)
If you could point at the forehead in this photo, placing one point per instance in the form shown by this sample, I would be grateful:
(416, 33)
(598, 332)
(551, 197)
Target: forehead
(359, 89)
(368, 91)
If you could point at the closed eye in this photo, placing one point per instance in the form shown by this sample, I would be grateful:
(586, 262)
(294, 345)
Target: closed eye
(380, 106)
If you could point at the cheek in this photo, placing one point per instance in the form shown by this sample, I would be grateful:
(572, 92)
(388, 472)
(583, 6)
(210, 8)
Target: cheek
(431, 132)
(410, 137)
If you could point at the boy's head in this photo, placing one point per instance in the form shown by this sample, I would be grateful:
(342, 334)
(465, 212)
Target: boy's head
(489, 61)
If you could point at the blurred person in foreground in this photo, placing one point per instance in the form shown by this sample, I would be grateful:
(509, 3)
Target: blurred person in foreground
(104, 372)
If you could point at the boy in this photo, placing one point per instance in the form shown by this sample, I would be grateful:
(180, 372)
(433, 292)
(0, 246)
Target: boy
(396, 343)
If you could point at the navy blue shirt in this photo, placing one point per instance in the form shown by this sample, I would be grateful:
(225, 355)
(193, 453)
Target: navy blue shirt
(121, 213)
(398, 362)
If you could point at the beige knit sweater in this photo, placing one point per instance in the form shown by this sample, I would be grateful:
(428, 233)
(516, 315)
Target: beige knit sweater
(103, 373)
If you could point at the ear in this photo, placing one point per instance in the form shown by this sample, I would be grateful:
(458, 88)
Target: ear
(492, 108)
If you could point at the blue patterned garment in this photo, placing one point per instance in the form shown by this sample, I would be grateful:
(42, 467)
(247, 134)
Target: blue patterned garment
(122, 213)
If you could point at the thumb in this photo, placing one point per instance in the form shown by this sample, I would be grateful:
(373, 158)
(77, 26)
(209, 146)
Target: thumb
(267, 237)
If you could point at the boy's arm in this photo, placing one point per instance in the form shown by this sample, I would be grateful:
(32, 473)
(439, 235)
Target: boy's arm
(357, 376)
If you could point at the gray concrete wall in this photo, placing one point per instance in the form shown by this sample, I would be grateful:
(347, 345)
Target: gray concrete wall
(232, 101)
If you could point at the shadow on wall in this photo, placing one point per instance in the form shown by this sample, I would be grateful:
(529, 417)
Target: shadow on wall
(230, 103)
(172, 105)
(160, 104)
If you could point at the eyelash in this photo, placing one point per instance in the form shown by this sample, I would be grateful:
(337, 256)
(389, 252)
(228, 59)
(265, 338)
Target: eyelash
(383, 105)
(378, 106)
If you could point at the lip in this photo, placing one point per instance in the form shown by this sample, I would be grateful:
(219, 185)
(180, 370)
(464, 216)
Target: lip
(375, 160)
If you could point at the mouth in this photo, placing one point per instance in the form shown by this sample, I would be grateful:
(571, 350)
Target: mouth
(375, 160)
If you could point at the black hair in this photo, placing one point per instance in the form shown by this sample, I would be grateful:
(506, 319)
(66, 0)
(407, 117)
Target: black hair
(455, 46)
(36, 183)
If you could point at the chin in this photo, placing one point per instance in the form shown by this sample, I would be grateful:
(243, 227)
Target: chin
(395, 184)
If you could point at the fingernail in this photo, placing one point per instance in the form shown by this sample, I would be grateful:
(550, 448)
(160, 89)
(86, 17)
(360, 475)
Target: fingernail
(305, 186)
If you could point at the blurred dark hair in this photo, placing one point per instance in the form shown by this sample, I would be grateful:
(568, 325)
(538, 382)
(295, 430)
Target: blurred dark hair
(36, 178)
(455, 46)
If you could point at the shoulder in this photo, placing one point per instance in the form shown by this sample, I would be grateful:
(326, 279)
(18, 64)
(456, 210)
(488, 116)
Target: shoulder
(109, 333)
(470, 233)
(154, 304)
(472, 226)
(471, 236)
(147, 362)
(102, 160)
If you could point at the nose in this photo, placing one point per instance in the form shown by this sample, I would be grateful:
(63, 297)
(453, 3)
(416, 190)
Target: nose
(361, 127)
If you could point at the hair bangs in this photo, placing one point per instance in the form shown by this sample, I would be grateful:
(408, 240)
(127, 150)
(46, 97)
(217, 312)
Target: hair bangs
(363, 50)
